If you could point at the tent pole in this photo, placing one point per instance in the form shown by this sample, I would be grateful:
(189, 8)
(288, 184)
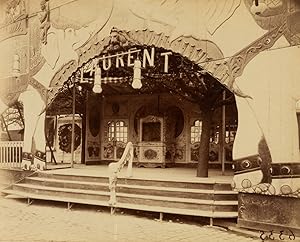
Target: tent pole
(73, 124)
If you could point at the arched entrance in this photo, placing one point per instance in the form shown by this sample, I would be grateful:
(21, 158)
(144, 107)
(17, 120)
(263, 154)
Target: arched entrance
(172, 82)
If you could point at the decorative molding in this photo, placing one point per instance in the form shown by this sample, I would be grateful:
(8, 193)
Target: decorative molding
(40, 155)
(187, 46)
(15, 20)
(36, 59)
(44, 17)
(152, 119)
(287, 191)
(27, 156)
(261, 161)
(285, 170)
(27, 160)
(225, 71)
(13, 88)
(238, 62)
(246, 164)
(41, 89)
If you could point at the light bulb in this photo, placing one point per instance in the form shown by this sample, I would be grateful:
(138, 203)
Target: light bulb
(97, 89)
(137, 84)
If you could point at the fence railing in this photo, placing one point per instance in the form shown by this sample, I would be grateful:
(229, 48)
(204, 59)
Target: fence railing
(11, 154)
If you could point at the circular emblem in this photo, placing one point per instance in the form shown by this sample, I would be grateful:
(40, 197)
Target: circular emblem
(150, 154)
(65, 137)
(286, 189)
(246, 183)
(246, 164)
(285, 170)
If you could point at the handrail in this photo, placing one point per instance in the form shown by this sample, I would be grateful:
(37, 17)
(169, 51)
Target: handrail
(114, 170)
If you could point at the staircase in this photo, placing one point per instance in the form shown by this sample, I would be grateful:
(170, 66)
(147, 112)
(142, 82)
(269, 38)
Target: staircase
(204, 199)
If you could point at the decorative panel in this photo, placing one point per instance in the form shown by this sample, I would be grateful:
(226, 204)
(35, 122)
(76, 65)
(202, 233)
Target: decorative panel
(115, 108)
(64, 139)
(93, 124)
(268, 212)
(151, 152)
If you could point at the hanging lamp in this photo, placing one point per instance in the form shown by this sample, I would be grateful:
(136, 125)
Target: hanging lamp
(97, 81)
(136, 83)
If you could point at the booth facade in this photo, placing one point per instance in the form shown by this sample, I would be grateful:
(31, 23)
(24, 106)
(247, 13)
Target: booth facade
(249, 48)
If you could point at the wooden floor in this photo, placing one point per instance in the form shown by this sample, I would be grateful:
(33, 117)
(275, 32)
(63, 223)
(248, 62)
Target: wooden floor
(167, 174)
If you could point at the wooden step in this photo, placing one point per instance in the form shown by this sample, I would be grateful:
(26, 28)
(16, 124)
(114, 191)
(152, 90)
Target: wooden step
(164, 201)
(201, 213)
(136, 189)
(86, 178)
(203, 197)
(210, 185)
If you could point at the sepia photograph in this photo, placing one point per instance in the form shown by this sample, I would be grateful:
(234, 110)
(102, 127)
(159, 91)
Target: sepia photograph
(149, 120)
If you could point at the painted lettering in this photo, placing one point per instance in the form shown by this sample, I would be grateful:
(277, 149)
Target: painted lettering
(106, 66)
(166, 64)
(119, 60)
(130, 58)
(149, 58)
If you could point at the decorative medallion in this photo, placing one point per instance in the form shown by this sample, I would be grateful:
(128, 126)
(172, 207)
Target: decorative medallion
(65, 137)
(150, 154)
(115, 108)
(246, 164)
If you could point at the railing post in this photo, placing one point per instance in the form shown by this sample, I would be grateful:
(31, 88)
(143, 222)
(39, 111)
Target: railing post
(114, 170)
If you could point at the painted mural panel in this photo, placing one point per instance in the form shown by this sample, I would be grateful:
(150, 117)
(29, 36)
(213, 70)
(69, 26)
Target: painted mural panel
(64, 139)
(93, 128)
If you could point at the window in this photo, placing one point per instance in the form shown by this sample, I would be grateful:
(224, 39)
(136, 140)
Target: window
(117, 131)
(230, 133)
(196, 130)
